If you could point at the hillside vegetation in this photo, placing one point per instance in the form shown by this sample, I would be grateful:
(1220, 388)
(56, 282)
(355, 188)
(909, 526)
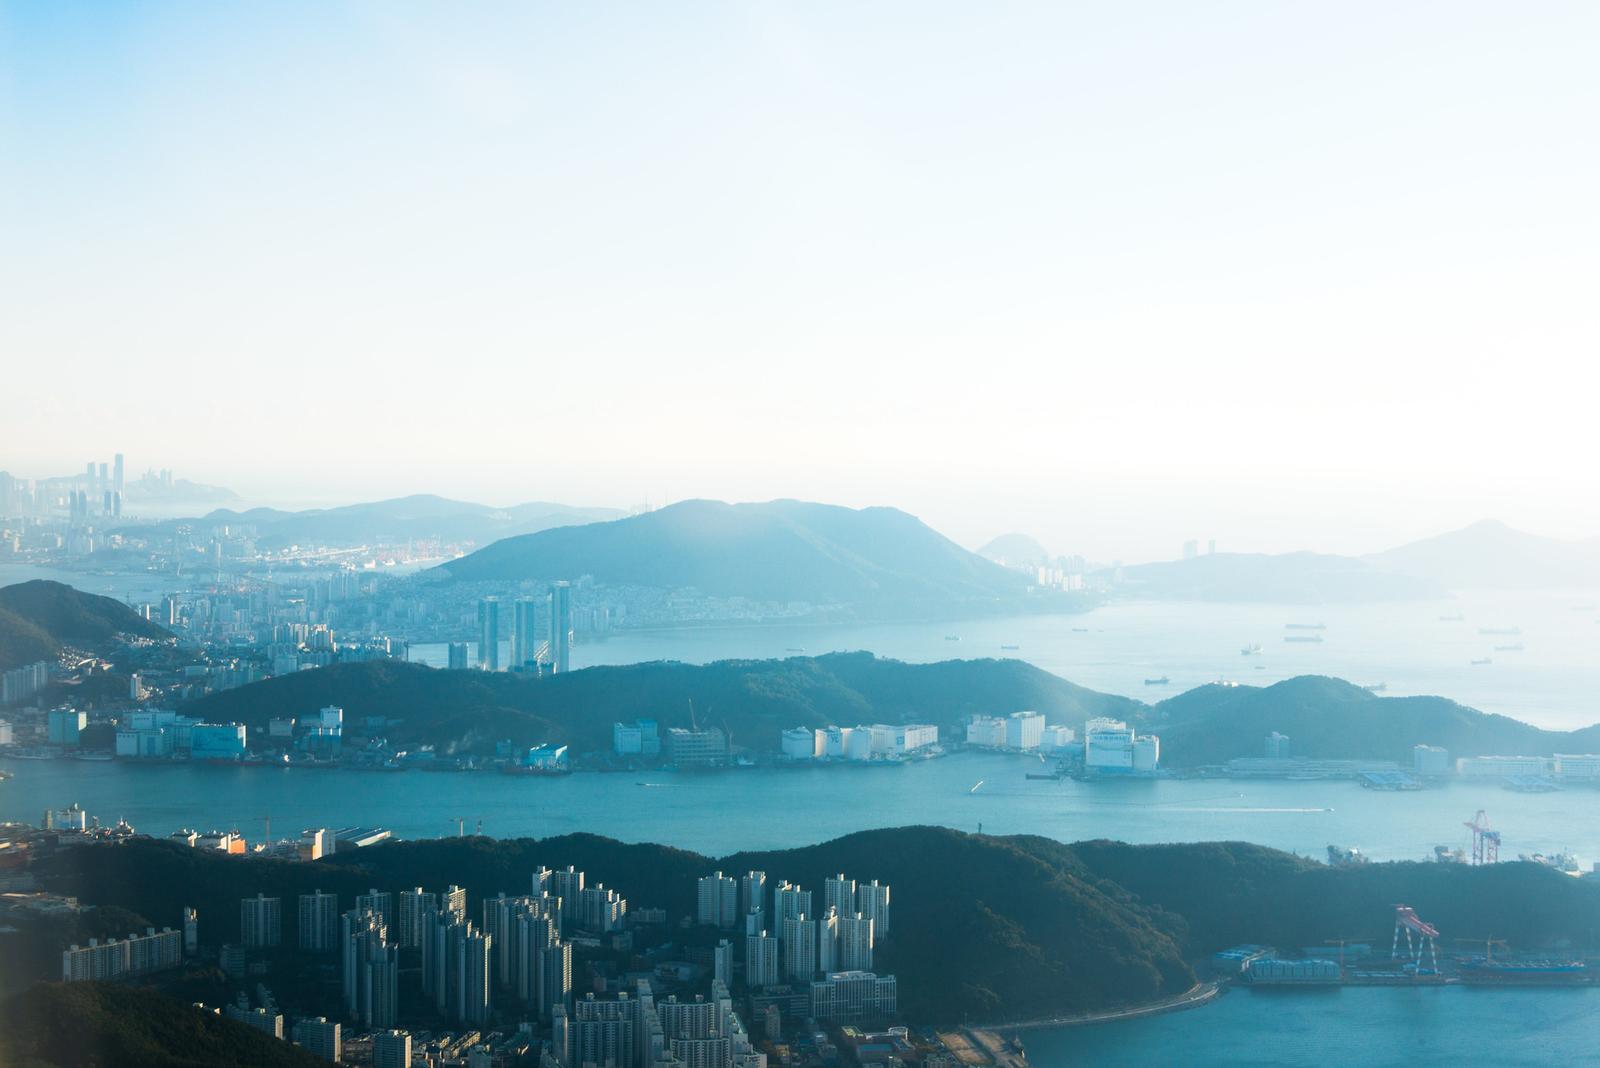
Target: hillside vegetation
(1331, 718)
(37, 618)
(87, 1024)
(753, 699)
(881, 561)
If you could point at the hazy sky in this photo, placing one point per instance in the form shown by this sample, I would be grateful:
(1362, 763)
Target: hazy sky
(1116, 274)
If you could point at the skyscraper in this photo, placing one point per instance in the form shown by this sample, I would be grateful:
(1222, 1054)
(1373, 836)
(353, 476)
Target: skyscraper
(800, 948)
(415, 904)
(489, 634)
(117, 472)
(839, 893)
(753, 896)
(524, 633)
(560, 626)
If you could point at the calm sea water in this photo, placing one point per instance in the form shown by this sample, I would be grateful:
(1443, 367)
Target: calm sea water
(771, 807)
(1369, 1026)
(1553, 681)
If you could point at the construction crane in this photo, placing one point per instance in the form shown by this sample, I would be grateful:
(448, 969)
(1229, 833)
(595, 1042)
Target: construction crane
(1406, 920)
(1488, 946)
(1485, 843)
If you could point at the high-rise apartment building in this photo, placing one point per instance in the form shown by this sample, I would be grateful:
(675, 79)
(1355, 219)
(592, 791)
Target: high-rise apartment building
(261, 921)
(319, 922)
(800, 948)
(414, 905)
(524, 633)
(489, 634)
(717, 901)
(763, 965)
(561, 626)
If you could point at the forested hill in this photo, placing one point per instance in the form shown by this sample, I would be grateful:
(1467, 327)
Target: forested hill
(1332, 719)
(37, 618)
(753, 699)
(875, 562)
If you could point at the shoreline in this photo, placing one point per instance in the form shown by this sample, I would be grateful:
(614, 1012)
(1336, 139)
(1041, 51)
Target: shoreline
(1202, 993)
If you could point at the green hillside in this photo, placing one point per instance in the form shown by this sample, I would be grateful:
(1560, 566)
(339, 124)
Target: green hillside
(753, 699)
(106, 1024)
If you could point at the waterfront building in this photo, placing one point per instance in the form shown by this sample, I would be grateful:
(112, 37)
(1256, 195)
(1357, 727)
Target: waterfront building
(315, 843)
(1501, 767)
(802, 743)
(717, 901)
(1576, 767)
(320, 1038)
(391, 1049)
(319, 922)
(1430, 761)
(845, 997)
(641, 738)
(704, 748)
(988, 732)
(1024, 730)
(489, 634)
(561, 627)
(63, 725)
(217, 741)
(261, 921)
(1055, 737)
(1111, 746)
(457, 660)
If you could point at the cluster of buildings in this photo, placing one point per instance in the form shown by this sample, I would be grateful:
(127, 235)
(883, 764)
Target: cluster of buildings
(1428, 764)
(528, 653)
(876, 741)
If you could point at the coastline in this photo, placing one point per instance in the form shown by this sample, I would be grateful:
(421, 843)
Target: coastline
(1201, 993)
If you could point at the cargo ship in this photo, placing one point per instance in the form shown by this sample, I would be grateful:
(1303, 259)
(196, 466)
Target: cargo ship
(1531, 972)
(1501, 631)
(1305, 626)
(1162, 681)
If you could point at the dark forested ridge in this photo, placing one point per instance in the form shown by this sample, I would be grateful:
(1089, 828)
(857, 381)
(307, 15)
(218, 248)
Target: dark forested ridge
(983, 927)
(753, 699)
(37, 618)
(72, 1025)
(880, 561)
(1333, 719)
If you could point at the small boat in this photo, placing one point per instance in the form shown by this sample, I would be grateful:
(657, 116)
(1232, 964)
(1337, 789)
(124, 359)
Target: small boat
(93, 756)
(1305, 626)
(1253, 649)
(1011, 648)
(1514, 647)
(1482, 660)
(1080, 630)
(1459, 617)
(952, 637)
(794, 649)
(1506, 632)
(1162, 681)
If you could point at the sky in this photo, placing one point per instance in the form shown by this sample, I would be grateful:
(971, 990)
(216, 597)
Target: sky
(1289, 276)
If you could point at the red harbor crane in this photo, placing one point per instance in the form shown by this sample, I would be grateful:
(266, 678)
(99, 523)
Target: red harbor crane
(1408, 922)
